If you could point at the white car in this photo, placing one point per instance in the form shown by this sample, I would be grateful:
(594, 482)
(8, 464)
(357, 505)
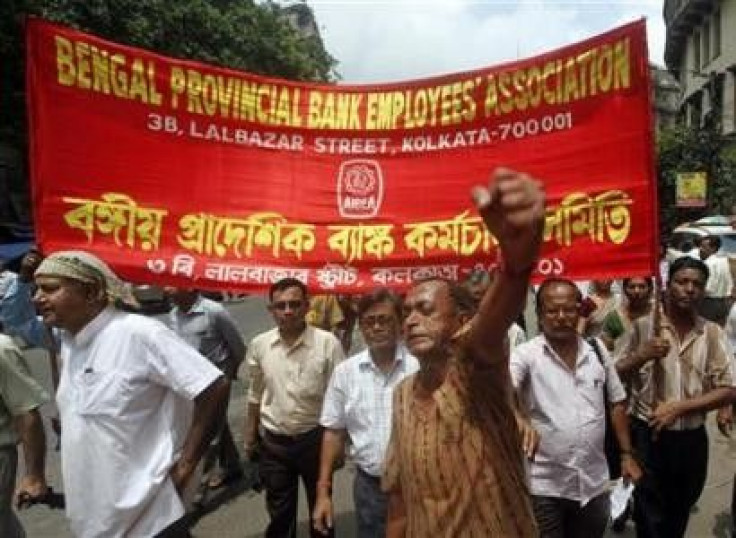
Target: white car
(684, 238)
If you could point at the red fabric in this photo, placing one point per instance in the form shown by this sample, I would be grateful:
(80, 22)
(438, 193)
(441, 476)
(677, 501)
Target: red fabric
(162, 203)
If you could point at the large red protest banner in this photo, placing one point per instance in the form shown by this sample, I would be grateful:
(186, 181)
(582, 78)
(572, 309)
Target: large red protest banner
(179, 172)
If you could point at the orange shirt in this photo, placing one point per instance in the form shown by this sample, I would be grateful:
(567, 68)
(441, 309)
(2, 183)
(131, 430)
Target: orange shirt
(458, 461)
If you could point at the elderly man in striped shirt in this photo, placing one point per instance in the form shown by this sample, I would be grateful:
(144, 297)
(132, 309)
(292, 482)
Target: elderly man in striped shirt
(358, 405)
(454, 466)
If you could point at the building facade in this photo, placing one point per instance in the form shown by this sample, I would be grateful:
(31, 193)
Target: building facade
(700, 51)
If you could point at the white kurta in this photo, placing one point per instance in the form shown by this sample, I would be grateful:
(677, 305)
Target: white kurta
(125, 402)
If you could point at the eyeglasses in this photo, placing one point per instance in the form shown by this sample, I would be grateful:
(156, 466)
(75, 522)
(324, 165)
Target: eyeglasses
(283, 305)
(381, 321)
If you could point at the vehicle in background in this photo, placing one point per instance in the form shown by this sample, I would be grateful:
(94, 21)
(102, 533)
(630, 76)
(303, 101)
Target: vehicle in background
(684, 239)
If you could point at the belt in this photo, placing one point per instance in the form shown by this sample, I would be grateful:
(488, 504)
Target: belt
(283, 439)
(368, 476)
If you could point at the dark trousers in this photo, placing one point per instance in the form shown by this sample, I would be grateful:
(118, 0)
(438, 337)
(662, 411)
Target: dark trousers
(371, 505)
(223, 449)
(564, 518)
(285, 459)
(10, 526)
(675, 464)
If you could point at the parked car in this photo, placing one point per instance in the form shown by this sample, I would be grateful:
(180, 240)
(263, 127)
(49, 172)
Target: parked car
(684, 238)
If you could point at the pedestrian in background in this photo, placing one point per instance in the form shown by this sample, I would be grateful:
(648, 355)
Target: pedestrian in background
(20, 424)
(357, 408)
(289, 368)
(209, 328)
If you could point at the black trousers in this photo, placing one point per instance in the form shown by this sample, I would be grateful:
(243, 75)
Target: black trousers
(284, 460)
(675, 465)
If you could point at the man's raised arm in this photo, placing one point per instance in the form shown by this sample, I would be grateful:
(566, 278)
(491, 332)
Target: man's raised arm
(512, 208)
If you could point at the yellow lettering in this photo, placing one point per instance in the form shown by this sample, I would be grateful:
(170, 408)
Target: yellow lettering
(65, 71)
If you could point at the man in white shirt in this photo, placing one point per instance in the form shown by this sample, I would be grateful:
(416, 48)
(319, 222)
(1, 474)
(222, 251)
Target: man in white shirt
(137, 404)
(358, 406)
(565, 384)
(719, 287)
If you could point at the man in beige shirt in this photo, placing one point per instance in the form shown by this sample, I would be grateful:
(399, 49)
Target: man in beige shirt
(677, 373)
(289, 368)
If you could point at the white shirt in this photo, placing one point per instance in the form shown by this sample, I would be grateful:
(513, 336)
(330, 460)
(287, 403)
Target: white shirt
(358, 400)
(516, 336)
(567, 409)
(720, 281)
(731, 328)
(124, 399)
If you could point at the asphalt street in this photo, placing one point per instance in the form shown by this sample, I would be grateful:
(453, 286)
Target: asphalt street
(239, 512)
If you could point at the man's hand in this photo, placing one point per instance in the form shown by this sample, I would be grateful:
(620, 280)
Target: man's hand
(630, 469)
(322, 515)
(181, 473)
(529, 437)
(30, 487)
(665, 415)
(655, 349)
(250, 450)
(512, 208)
(724, 420)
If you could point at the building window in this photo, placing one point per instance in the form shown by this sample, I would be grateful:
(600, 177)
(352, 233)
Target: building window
(696, 51)
(706, 44)
(716, 33)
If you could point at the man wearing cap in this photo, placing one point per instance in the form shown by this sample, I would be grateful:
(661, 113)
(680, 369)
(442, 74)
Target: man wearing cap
(138, 405)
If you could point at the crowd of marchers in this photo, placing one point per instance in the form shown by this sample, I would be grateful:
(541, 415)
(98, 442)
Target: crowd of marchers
(456, 424)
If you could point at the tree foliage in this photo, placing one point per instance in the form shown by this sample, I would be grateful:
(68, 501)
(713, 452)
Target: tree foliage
(240, 34)
(688, 149)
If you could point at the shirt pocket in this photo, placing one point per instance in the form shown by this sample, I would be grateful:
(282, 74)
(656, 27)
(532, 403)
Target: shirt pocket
(101, 394)
(312, 374)
(591, 387)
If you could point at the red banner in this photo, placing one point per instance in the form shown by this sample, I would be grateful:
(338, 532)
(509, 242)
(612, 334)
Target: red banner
(179, 172)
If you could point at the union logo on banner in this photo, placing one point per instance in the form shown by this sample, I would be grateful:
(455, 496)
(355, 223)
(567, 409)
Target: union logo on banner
(359, 189)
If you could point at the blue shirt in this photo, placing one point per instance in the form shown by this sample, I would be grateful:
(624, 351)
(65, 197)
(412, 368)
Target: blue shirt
(18, 314)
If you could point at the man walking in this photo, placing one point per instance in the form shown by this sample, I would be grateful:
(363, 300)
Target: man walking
(454, 466)
(210, 329)
(677, 372)
(719, 289)
(20, 422)
(566, 383)
(17, 314)
(138, 405)
(358, 406)
(289, 369)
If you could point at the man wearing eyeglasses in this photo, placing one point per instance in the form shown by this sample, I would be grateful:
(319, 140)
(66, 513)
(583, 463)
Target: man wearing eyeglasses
(289, 368)
(358, 406)
(566, 382)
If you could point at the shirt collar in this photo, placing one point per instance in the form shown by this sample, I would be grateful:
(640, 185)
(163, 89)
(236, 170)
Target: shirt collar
(366, 361)
(306, 338)
(583, 348)
(92, 329)
(698, 326)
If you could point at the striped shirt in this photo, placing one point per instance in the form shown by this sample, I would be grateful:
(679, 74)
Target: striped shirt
(358, 400)
(458, 461)
(699, 363)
